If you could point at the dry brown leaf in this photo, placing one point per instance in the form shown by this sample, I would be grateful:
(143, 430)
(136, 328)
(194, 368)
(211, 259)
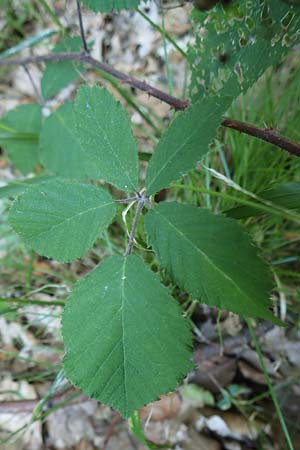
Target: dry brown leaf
(252, 374)
(214, 373)
(165, 408)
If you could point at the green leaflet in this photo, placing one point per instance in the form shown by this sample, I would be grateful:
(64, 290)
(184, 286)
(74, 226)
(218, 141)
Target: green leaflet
(58, 75)
(19, 136)
(61, 219)
(236, 44)
(211, 257)
(13, 188)
(60, 149)
(185, 142)
(286, 195)
(126, 340)
(104, 130)
(109, 5)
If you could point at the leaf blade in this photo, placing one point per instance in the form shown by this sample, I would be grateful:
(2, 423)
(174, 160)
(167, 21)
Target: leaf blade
(128, 370)
(61, 151)
(16, 187)
(211, 257)
(61, 219)
(58, 75)
(236, 45)
(110, 5)
(185, 142)
(104, 131)
(19, 135)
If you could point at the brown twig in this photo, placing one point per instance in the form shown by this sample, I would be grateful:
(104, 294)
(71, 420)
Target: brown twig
(110, 431)
(82, 57)
(268, 135)
(265, 134)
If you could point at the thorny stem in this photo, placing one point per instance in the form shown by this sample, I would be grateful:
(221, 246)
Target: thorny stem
(141, 200)
(268, 135)
(82, 33)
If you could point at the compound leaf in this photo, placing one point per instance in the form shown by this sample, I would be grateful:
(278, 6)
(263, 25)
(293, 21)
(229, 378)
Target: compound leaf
(185, 142)
(211, 257)
(61, 219)
(61, 151)
(19, 136)
(235, 44)
(58, 75)
(104, 130)
(106, 6)
(125, 338)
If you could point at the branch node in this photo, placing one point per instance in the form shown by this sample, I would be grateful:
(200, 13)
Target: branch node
(142, 199)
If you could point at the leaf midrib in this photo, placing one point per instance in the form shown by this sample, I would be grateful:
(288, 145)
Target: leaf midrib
(68, 219)
(112, 149)
(173, 155)
(75, 139)
(212, 263)
(123, 298)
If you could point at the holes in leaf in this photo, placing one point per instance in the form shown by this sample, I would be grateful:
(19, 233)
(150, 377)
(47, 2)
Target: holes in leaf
(286, 40)
(223, 57)
(249, 22)
(243, 41)
(265, 15)
(287, 19)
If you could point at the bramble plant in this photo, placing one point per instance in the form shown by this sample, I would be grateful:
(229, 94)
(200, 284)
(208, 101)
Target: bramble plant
(125, 337)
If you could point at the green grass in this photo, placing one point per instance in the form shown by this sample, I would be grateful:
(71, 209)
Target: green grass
(250, 163)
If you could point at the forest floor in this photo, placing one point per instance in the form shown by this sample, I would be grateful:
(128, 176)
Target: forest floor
(225, 403)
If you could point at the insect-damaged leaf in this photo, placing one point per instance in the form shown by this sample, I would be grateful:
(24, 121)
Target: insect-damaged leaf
(60, 219)
(126, 340)
(109, 5)
(211, 257)
(235, 44)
